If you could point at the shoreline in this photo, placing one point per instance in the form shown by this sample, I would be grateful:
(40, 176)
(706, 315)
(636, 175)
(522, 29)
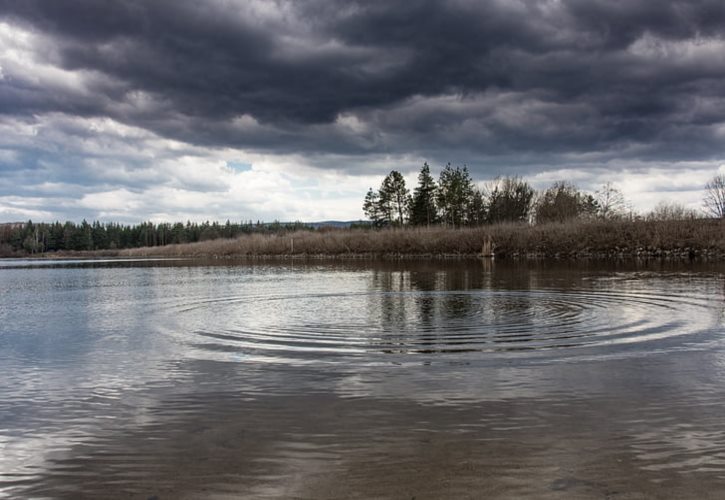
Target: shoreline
(638, 255)
(684, 240)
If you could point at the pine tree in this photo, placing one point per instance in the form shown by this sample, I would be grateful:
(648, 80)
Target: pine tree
(423, 210)
(477, 209)
(455, 193)
(371, 207)
(394, 197)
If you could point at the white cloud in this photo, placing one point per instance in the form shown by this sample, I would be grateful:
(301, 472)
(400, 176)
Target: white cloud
(116, 201)
(99, 168)
(17, 209)
(643, 185)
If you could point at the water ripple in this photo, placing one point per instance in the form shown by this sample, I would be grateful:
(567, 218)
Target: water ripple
(325, 326)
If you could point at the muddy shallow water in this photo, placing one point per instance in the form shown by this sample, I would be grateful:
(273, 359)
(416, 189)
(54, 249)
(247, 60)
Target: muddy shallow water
(187, 379)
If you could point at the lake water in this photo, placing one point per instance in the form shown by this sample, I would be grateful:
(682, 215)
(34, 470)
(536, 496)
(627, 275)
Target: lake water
(187, 379)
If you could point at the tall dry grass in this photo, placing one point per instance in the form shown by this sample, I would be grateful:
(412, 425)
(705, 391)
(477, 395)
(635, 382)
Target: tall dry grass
(575, 238)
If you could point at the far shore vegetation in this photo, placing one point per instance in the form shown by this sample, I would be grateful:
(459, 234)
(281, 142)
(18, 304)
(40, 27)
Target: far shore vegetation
(451, 217)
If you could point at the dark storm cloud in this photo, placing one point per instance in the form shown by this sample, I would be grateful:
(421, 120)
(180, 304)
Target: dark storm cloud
(633, 78)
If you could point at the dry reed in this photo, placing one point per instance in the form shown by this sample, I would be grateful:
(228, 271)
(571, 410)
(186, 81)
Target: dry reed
(573, 239)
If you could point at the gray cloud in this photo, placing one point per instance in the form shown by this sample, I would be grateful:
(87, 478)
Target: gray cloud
(503, 86)
(292, 64)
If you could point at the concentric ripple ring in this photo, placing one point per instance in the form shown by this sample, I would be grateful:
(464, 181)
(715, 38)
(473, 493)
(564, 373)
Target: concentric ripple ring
(367, 324)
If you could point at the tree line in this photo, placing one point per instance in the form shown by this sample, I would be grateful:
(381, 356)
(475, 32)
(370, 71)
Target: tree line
(455, 200)
(41, 237)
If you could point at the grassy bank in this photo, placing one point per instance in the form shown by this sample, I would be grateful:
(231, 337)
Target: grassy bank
(576, 239)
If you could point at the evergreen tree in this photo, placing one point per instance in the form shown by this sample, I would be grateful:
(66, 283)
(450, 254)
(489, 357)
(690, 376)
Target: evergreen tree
(86, 236)
(455, 192)
(385, 206)
(394, 198)
(423, 210)
(371, 207)
(477, 209)
(178, 234)
(99, 235)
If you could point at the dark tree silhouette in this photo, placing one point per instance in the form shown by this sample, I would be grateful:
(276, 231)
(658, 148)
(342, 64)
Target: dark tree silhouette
(455, 191)
(423, 210)
(509, 200)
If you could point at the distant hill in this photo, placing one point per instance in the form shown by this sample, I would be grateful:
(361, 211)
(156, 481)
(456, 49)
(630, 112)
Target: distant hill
(334, 223)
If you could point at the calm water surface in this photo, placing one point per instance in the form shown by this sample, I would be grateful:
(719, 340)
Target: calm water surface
(184, 379)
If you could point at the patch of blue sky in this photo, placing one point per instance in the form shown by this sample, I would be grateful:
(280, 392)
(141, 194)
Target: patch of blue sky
(239, 166)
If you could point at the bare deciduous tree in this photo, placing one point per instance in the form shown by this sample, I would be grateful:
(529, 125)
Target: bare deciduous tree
(671, 210)
(610, 201)
(714, 201)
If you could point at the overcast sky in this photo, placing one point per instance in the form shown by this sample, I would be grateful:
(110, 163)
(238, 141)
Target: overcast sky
(184, 109)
